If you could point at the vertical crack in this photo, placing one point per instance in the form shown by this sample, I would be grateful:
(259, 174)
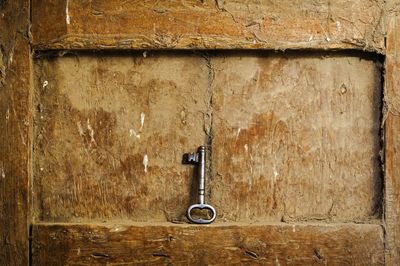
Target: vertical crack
(209, 119)
(380, 205)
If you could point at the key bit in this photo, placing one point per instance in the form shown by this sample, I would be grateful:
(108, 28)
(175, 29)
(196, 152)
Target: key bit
(190, 158)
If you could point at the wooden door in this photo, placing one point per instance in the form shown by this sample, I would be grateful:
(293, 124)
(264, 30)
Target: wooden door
(296, 104)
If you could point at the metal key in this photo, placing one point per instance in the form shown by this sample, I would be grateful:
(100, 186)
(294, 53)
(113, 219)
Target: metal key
(199, 159)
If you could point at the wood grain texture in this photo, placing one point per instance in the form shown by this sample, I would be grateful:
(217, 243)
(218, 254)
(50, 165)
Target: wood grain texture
(296, 137)
(392, 139)
(15, 131)
(275, 244)
(318, 161)
(110, 132)
(209, 24)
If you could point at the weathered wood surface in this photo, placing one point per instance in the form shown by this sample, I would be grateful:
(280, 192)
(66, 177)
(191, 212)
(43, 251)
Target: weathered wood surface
(15, 133)
(190, 24)
(279, 244)
(296, 137)
(110, 132)
(293, 137)
(392, 138)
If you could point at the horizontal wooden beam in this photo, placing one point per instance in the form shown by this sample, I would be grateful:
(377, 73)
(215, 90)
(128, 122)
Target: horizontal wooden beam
(208, 24)
(277, 244)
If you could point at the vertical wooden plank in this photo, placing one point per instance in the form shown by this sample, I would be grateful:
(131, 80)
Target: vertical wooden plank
(392, 138)
(15, 82)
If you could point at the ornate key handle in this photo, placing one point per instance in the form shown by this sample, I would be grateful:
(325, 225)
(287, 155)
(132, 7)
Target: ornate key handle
(199, 159)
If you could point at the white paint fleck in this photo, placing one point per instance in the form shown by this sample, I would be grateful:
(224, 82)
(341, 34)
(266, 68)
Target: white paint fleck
(8, 114)
(254, 41)
(132, 132)
(294, 229)
(145, 162)
(67, 17)
(41, 169)
(91, 132)
(311, 38)
(142, 116)
(145, 54)
(275, 172)
(328, 39)
(45, 83)
(246, 147)
(338, 26)
(11, 57)
(238, 132)
(118, 229)
(3, 174)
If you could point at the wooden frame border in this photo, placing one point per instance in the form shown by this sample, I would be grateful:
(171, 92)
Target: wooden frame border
(229, 244)
(208, 24)
(248, 33)
(392, 135)
(15, 131)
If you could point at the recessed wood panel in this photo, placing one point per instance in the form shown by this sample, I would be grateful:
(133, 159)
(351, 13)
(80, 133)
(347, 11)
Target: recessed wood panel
(240, 244)
(293, 137)
(296, 138)
(110, 132)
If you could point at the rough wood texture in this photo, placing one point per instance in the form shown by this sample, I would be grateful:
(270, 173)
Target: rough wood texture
(233, 24)
(392, 139)
(280, 244)
(296, 137)
(110, 132)
(15, 133)
(318, 161)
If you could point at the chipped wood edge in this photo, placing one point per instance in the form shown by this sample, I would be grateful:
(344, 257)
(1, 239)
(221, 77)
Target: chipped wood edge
(87, 42)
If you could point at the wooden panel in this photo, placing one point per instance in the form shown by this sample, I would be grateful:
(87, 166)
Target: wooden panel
(280, 244)
(296, 137)
(110, 132)
(320, 161)
(341, 24)
(392, 141)
(15, 131)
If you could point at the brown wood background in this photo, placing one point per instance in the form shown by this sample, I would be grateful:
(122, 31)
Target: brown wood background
(15, 131)
(294, 137)
(392, 136)
(237, 244)
(209, 24)
(360, 25)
